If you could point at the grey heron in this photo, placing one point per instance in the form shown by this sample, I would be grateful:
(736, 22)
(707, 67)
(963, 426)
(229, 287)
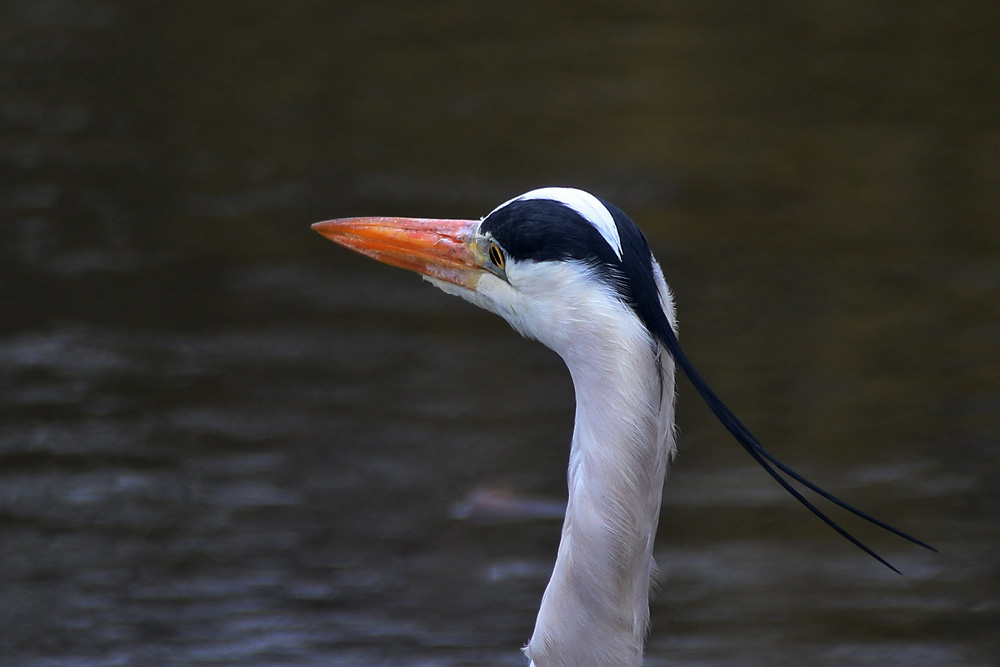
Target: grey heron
(572, 271)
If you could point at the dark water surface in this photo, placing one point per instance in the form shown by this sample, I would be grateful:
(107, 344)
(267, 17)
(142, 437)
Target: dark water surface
(225, 441)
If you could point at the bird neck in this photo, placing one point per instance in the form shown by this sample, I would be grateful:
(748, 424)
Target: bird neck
(595, 609)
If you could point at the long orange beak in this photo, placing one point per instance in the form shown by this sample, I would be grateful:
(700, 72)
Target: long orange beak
(441, 249)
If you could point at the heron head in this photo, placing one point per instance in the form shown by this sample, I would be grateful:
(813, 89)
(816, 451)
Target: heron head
(546, 261)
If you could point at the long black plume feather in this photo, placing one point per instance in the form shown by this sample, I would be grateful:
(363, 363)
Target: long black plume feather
(750, 443)
(631, 273)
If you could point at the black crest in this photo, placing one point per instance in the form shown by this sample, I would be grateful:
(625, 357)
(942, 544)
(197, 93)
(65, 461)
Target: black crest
(546, 230)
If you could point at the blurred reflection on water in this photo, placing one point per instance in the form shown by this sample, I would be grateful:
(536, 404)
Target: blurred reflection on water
(224, 441)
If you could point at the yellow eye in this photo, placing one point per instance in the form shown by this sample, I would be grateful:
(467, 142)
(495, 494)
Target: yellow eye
(496, 255)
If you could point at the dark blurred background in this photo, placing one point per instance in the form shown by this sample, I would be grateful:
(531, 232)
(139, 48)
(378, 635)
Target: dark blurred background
(226, 441)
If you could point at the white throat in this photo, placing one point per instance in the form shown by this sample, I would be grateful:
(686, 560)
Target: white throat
(621, 444)
(596, 606)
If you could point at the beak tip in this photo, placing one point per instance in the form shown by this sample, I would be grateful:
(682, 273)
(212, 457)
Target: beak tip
(326, 228)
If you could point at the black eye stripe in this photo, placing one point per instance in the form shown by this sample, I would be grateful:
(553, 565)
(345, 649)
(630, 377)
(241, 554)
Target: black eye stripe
(543, 230)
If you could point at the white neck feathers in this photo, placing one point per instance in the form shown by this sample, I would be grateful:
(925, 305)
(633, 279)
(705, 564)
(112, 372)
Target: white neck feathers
(595, 609)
